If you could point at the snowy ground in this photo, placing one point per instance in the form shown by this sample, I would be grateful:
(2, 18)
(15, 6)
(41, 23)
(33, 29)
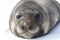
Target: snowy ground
(6, 7)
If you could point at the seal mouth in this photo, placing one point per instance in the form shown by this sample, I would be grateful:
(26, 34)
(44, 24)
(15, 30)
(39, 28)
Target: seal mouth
(27, 33)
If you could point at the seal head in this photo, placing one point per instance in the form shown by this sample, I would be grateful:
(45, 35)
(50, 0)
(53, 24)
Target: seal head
(30, 20)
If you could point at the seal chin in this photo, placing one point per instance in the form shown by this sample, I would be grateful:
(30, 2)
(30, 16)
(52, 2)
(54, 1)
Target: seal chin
(27, 36)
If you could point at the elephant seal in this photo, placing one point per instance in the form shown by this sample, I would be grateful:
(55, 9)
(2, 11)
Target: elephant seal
(34, 18)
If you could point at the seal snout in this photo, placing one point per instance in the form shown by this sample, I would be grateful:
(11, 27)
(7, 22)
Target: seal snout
(28, 26)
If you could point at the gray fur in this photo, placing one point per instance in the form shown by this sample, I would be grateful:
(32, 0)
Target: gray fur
(28, 9)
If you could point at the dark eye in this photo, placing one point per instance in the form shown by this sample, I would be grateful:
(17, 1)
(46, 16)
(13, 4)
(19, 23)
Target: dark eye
(38, 16)
(18, 16)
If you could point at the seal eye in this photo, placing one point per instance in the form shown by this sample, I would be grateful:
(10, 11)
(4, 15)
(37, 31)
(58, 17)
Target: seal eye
(38, 16)
(18, 16)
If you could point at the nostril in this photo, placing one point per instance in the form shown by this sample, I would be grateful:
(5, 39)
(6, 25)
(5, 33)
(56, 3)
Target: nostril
(30, 27)
(22, 28)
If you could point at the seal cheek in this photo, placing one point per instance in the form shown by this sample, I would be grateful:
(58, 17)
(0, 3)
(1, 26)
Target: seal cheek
(12, 26)
(46, 27)
(19, 30)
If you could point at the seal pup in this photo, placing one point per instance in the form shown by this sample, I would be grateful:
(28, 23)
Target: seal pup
(34, 18)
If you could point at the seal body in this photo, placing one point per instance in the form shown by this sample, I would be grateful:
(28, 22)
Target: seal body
(34, 18)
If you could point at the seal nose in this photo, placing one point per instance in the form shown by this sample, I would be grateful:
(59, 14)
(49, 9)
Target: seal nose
(26, 26)
(23, 28)
(30, 27)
